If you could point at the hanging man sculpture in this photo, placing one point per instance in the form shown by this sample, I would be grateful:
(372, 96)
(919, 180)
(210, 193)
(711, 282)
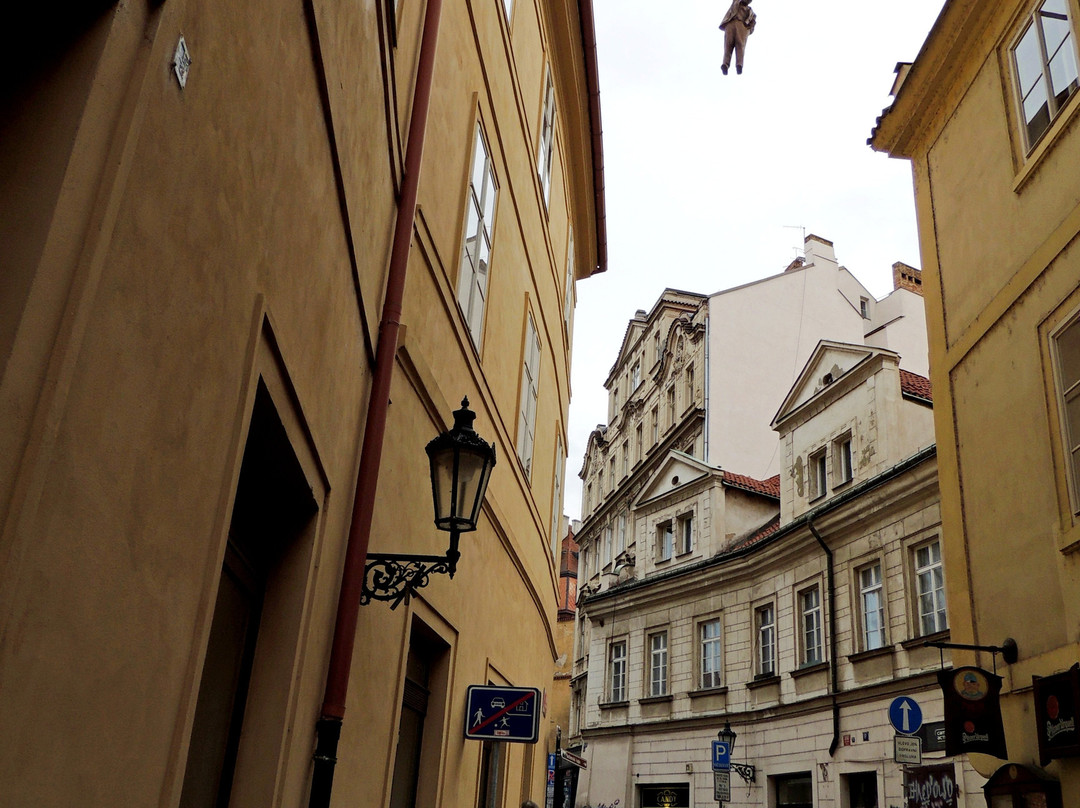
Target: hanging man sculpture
(737, 25)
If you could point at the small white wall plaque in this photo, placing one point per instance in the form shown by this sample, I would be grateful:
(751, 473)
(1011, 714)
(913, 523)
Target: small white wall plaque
(181, 62)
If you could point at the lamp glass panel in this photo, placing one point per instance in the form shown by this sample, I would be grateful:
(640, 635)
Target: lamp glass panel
(442, 479)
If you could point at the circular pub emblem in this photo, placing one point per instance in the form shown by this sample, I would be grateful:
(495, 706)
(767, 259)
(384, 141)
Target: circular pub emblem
(1053, 709)
(971, 685)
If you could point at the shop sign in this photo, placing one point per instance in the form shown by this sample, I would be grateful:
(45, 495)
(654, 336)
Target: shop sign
(972, 712)
(1056, 701)
(930, 787)
(673, 795)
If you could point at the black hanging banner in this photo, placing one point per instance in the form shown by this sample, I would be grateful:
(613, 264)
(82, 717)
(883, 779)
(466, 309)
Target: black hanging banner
(972, 712)
(1057, 699)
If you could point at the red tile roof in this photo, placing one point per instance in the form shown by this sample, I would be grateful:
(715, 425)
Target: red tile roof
(912, 384)
(769, 487)
(758, 535)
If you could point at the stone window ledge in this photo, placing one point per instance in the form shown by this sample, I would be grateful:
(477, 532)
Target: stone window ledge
(763, 681)
(862, 656)
(919, 642)
(612, 705)
(708, 691)
(655, 699)
(806, 670)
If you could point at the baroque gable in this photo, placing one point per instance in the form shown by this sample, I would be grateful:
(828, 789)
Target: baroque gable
(676, 471)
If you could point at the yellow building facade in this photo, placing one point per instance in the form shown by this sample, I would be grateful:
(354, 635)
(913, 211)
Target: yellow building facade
(986, 114)
(247, 250)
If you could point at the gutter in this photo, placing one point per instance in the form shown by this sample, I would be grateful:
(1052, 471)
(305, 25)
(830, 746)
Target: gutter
(328, 727)
(592, 81)
(833, 661)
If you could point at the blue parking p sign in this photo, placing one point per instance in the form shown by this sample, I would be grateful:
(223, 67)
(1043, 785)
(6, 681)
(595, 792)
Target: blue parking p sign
(721, 756)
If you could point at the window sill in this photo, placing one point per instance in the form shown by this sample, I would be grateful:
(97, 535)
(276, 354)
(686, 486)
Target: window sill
(919, 642)
(612, 705)
(708, 691)
(806, 670)
(763, 680)
(862, 656)
(654, 699)
(816, 498)
(840, 486)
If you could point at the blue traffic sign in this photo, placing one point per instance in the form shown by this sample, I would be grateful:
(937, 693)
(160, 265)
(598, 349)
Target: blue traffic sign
(721, 756)
(905, 715)
(502, 714)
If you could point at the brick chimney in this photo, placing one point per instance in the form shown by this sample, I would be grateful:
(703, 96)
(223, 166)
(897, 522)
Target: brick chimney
(905, 277)
(818, 250)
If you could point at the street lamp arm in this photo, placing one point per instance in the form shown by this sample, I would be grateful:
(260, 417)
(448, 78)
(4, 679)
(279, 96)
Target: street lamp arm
(745, 771)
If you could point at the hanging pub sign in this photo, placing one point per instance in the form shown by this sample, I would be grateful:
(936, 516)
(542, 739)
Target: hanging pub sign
(1056, 700)
(930, 787)
(972, 712)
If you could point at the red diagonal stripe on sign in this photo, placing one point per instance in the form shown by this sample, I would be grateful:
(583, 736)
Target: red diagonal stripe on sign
(501, 713)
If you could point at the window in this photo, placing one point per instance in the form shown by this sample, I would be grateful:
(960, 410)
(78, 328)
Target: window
(930, 588)
(686, 533)
(620, 545)
(711, 648)
(862, 789)
(658, 664)
(842, 460)
(810, 633)
(530, 372)
(872, 606)
(479, 216)
(765, 624)
(557, 498)
(577, 710)
(655, 425)
(635, 375)
(864, 307)
(656, 346)
(664, 541)
(671, 405)
(818, 478)
(584, 557)
(492, 780)
(638, 441)
(588, 497)
(617, 671)
(689, 385)
(1044, 58)
(611, 473)
(547, 140)
(625, 458)
(568, 301)
(607, 546)
(794, 791)
(1066, 350)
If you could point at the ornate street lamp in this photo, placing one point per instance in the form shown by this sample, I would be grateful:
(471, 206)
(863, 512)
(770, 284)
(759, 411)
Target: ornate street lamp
(727, 736)
(461, 462)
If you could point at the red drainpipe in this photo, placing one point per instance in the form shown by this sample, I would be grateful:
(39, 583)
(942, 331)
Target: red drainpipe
(328, 728)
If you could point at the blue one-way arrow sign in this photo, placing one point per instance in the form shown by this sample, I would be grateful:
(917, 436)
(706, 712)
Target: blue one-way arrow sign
(905, 715)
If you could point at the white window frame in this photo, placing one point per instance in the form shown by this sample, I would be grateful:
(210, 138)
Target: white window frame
(817, 470)
(1067, 393)
(658, 664)
(530, 389)
(689, 385)
(843, 467)
(872, 620)
(685, 525)
(620, 536)
(557, 498)
(665, 541)
(671, 405)
(635, 375)
(765, 639)
(811, 630)
(546, 153)
(568, 300)
(711, 650)
(626, 458)
(608, 542)
(479, 229)
(1066, 50)
(929, 577)
(617, 671)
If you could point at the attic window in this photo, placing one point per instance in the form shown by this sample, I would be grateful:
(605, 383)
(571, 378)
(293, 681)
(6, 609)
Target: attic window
(675, 480)
(827, 379)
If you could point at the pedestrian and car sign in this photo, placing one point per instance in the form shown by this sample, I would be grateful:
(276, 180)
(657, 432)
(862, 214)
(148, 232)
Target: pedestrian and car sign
(502, 714)
(905, 715)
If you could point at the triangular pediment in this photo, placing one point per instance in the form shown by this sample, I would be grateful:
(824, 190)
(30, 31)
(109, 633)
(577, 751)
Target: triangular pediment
(676, 471)
(830, 364)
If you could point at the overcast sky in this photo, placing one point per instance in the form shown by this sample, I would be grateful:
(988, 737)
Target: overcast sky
(710, 179)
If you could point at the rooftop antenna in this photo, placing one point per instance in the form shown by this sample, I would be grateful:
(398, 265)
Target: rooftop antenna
(800, 251)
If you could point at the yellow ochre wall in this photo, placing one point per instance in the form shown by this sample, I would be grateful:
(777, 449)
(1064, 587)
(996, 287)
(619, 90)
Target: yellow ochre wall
(164, 250)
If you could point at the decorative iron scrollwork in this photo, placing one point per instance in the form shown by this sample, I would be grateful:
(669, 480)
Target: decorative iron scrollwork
(393, 578)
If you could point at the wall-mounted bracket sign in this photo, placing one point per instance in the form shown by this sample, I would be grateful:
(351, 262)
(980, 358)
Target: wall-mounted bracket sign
(1057, 699)
(972, 712)
(502, 714)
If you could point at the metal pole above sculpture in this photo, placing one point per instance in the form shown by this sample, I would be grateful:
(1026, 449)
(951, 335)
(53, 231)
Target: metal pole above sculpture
(738, 23)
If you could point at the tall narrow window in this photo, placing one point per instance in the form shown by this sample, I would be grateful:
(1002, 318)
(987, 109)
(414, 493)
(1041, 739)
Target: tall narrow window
(656, 346)
(872, 605)
(617, 671)
(1044, 58)
(686, 533)
(930, 588)
(547, 139)
(842, 460)
(620, 544)
(765, 623)
(711, 650)
(689, 385)
(479, 217)
(638, 440)
(671, 405)
(557, 498)
(818, 475)
(658, 664)
(635, 375)
(530, 372)
(568, 299)
(491, 775)
(1066, 345)
(611, 473)
(664, 541)
(608, 543)
(655, 425)
(810, 612)
(625, 458)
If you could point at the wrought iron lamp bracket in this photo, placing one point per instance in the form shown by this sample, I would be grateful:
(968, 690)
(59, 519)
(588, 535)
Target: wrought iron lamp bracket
(393, 577)
(745, 771)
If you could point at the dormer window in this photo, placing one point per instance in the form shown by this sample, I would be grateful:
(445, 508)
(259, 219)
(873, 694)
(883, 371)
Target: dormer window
(842, 467)
(818, 474)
